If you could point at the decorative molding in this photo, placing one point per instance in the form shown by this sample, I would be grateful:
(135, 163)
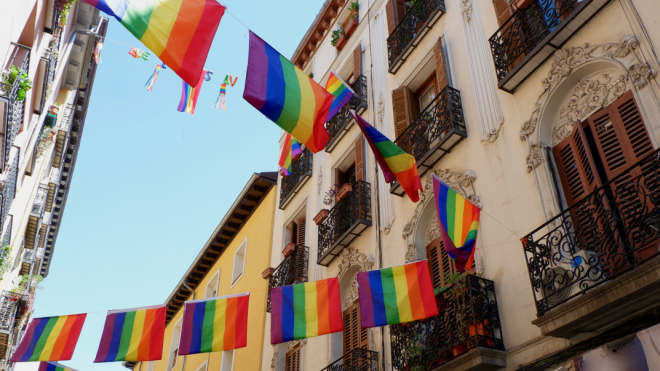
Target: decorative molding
(292, 344)
(352, 257)
(273, 361)
(433, 230)
(352, 294)
(535, 157)
(466, 10)
(319, 181)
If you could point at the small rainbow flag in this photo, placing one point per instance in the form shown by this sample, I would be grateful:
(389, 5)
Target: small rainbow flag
(340, 90)
(305, 310)
(53, 366)
(133, 335)
(189, 95)
(215, 324)
(286, 95)
(291, 151)
(396, 295)
(97, 52)
(459, 223)
(50, 339)
(393, 161)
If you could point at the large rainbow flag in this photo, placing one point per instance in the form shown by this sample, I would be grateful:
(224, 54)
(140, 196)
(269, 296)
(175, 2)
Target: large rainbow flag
(50, 339)
(189, 95)
(286, 95)
(133, 335)
(459, 222)
(179, 32)
(291, 151)
(396, 295)
(394, 162)
(341, 91)
(214, 324)
(54, 366)
(305, 310)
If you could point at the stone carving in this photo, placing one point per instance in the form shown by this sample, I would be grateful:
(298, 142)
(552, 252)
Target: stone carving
(640, 74)
(466, 10)
(319, 181)
(273, 362)
(351, 294)
(381, 109)
(351, 257)
(292, 344)
(535, 157)
(433, 230)
(625, 47)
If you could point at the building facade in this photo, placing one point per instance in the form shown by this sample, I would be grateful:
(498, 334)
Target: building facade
(541, 112)
(41, 130)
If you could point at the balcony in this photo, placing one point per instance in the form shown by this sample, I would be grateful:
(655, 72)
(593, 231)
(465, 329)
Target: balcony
(345, 222)
(46, 74)
(6, 232)
(12, 109)
(291, 271)
(36, 213)
(357, 360)
(341, 123)
(300, 173)
(417, 22)
(433, 134)
(595, 263)
(527, 39)
(468, 327)
(10, 304)
(8, 185)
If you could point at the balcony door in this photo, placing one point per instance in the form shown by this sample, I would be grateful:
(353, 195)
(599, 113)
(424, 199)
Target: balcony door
(440, 264)
(354, 335)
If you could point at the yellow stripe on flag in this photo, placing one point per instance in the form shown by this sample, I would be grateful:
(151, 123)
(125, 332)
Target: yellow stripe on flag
(219, 325)
(161, 22)
(52, 338)
(136, 336)
(458, 221)
(311, 310)
(402, 300)
(305, 125)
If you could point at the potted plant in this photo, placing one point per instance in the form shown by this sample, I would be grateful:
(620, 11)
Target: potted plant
(267, 273)
(11, 76)
(342, 40)
(344, 191)
(321, 216)
(64, 6)
(352, 21)
(55, 109)
(335, 35)
(289, 249)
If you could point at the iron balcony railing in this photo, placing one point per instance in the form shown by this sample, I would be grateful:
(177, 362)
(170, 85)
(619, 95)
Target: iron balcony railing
(10, 303)
(6, 236)
(410, 31)
(14, 108)
(345, 222)
(339, 125)
(51, 58)
(9, 188)
(434, 133)
(611, 231)
(301, 171)
(468, 319)
(357, 359)
(291, 271)
(39, 201)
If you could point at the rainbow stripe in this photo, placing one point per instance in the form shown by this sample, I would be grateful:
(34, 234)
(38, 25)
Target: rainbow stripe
(396, 295)
(216, 324)
(53, 366)
(133, 335)
(285, 158)
(341, 91)
(393, 161)
(50, 339)
(97, 52)
(459, 223)
(288, 97)
(305, 310)
(179, 32)
(189, 95)
(152, 80)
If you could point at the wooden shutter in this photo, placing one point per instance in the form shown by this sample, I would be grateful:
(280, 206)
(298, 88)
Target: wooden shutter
(389, 10)
(294, 232)
(439, 262)
(405, 108)
(293, 359)
(440, 66)
(357, 62)
(339, 178)
(302, 223)
(359, 159)
(354, 335)
(502, 11)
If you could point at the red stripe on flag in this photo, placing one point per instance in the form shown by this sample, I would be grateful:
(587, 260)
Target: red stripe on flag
(334, 306)
(241, 321)
(414, 292)
(426, 289)
(157, 334)
(71, 340)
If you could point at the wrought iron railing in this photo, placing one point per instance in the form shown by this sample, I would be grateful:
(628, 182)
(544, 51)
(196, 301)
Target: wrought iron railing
(51, 57)
(468, 319)
(15, 107)
(291, 271)
(357, 360)
(339, 123)
(352, 209)
(301, 170)
(611, 231)
(40, 201)
(10, 302)
(9, 188)
(6, 236)
(419, 18)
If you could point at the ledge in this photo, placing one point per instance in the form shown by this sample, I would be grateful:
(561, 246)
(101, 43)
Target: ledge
(478, 359)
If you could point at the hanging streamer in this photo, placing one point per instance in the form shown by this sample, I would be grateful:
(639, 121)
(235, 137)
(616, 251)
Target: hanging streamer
(220, 102)
(189, 95)
(152, 80)
(97, 52)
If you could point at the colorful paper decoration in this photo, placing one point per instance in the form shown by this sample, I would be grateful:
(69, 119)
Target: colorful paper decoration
(393, 161)
(396, 295)
(207, 76)
(189, 95)
(233, 82)
(97, 52)
(220, 102)
(50, 339)
(54, 366)
(215, 324)
(286, 95)
(459, 223)
(137, 54)
(305, 310)
(133, 335)
(179, 32)
(290, 152)
(341, 91)
(152, 80)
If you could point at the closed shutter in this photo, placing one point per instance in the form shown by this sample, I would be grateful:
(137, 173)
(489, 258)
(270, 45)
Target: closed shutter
(302, 223)
(502, 11)
(439, 262)
(357, 62)
(389, 10)
(405, 108)
(354, 335)
(359, 159)
(440, 66)
(293, 359)
(35, 270)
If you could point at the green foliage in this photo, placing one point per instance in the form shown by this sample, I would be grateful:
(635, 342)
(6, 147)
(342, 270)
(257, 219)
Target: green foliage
(5, 254)
(13, 74)
(336, 34)
(311, 75)
(22, 283)
(64, 6)
(354, 7)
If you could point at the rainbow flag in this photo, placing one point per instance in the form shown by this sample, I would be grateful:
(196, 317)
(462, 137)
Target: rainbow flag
(215, 324)
(179, 32)
(50, 339)
(97, 52)
(305, 310)
(341, 91)
(396, 295)
(286, 95)
(459, 222)
(189, 95)
(54, 366)
(291, 151)
(393, 161)
(133, 335)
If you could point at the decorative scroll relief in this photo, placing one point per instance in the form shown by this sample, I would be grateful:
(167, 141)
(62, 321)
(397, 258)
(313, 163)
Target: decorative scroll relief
(433, 230)
(466, 10)
(535, 157)
(351, 257)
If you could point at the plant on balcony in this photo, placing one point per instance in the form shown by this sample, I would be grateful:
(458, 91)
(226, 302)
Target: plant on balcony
(5, 261)
(330, 194)
(64, 6)
(336, 35)
(14, 74)
(45, 140)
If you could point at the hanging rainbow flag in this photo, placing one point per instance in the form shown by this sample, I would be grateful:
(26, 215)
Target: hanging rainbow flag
(189, 95)
(50, 339)
(286, 95)
(305, 310)
(459, 223)
(215, 324)
(179, 32)
(291, 151)
(97, 52)
(396, 295)
(133, 335)
(341, 91)
(220, 102)
(152, 80)
(54, 366)
(393, 161)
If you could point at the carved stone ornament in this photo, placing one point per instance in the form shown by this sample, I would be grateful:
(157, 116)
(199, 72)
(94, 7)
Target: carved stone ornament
(433, 230)
(381, 109)
(292, 344)
(319, 181)
(535, 157)
(351, 257)
(273, 361)
(466, 9)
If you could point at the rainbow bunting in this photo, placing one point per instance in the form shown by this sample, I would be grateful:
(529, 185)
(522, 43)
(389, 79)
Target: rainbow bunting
(152, 80)
(305, 310)
(290, 152)
(133, 335)
(341, 91)
(396, 295)
(215, 324)
(459, 223)
(189, 95)
(53, 366)
(97, 52)
(50, 339)
(393, 161)
(179, 32)
(286, 95)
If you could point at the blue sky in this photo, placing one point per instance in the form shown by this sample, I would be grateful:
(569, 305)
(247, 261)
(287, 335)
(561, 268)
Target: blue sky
(145, 198)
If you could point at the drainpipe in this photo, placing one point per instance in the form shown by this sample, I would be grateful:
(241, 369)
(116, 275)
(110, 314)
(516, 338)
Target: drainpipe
(183, 363)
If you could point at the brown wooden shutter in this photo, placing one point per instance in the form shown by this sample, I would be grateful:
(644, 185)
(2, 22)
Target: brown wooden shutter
(359, 159)
(405, 108)
(354, 335)
(339, 178)
(439, 262)
(440, 66)
(302, 223)
(294, 232)
(502, 11)
(357, 62)
(293, 359)
(389, 10)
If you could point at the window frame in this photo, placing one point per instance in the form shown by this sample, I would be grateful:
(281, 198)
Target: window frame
(215, 279)
(233, 360)
(177, 326)
(235, 278)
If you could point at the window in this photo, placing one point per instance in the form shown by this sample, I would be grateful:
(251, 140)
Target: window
(204, 366)
(227, 360)
(354, 335)
(212, 286)
(239, 263)
(293, 359)
(174, 346)
(426, 94)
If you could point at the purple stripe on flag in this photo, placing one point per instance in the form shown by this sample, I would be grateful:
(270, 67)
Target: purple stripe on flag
(106, 337)
(366, 303)
(276, 315)
(372, 137)
(257, 73)
(186, 336)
